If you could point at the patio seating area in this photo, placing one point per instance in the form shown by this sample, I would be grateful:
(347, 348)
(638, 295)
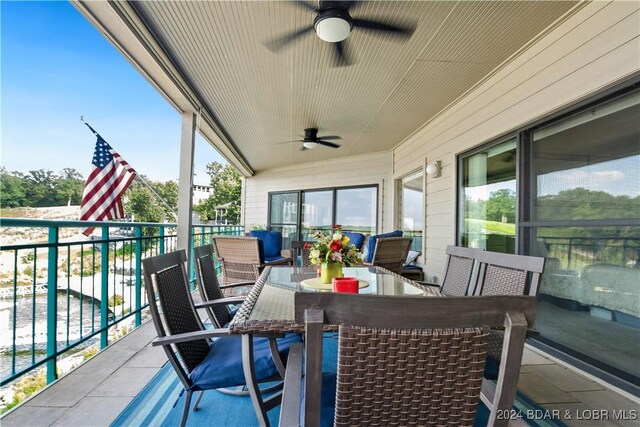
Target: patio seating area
(103, 387)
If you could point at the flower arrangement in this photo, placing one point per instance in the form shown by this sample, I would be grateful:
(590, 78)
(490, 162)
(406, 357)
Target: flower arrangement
(333, 248)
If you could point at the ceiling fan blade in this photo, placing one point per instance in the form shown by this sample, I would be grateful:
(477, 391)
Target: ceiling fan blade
(305, 5)
(327, 144)
(341, 57)
(330, 137)
(405, 31)
(280, 42)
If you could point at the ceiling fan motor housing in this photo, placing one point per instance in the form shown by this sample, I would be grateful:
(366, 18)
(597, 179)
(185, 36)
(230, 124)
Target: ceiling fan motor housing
(333, 24)
(311, 134)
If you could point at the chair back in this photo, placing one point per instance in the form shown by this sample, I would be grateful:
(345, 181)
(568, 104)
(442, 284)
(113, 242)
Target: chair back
(167, 289)
(507, 274)
(208, 285)
(410, 360)
(391, 252)
(239, 257)
(459, 271)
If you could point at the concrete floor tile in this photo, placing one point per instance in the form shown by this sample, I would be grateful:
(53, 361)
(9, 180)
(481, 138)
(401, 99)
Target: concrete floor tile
(35, 416)
(540, 391)
(125, 382)
(531, 357)
(94, 412)
(148, 357)
(614, 403)
(564, 379)
(67, 391)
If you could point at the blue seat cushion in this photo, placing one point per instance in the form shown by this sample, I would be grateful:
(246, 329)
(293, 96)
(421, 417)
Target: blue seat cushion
(371, 245)
(355, 239)
(491, 369)
(272, 258)
(411, 267)
(271, 241)
(222, 367)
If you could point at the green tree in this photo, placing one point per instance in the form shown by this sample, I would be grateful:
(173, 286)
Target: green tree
(12, 191)
(502, 203)
(226, 183)
(68, 187)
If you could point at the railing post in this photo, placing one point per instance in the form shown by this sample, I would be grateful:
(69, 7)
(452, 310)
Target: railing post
(161, 240)
(52, 305)
(138, 249)
(104, 290)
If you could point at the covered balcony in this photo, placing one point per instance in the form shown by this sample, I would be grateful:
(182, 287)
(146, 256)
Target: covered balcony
(506, 126)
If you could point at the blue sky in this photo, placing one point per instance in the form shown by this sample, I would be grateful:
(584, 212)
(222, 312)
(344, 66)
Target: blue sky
(56, 67)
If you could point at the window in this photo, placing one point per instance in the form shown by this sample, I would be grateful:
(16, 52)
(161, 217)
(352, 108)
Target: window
(583, 209)
(412, 208)
(578, 205)
(355, 208)
(488, 198)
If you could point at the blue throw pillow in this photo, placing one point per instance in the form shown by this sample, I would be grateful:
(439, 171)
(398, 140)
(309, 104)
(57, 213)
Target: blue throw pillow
(371, 245)
(355, 239)
(271, 242)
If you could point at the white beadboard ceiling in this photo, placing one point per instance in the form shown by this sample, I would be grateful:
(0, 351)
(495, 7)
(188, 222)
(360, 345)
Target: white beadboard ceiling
(261, 99)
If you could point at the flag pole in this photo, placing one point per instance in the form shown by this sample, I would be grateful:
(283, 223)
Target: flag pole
(137, 175)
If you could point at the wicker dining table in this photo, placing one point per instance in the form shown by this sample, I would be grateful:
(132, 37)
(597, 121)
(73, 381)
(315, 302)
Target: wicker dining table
(268, 310)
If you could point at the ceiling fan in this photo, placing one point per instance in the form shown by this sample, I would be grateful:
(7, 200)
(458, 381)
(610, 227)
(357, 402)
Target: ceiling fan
(333, 24)
(311, 140)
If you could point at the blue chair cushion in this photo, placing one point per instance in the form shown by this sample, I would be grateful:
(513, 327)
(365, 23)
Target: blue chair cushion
(356, 239)
(222, 367)
(371, 245)
(491, 369)
(411, 267)
(271, 240)
(272, 258)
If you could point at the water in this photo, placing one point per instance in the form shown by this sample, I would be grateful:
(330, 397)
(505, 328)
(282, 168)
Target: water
(81, 316)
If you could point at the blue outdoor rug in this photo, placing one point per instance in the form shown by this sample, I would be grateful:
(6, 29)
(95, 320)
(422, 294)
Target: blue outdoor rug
(160, 403)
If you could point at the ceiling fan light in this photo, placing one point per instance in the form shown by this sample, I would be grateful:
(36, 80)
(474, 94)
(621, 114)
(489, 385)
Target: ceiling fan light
(333, 29)
(310, 145)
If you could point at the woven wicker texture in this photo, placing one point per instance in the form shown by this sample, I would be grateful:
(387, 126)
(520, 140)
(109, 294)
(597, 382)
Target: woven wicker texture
(391, 252)
(239, 257)
(405, 377)
(504, 281)
(457, 276)
(304, 257)
(178, 316)
(209, 281)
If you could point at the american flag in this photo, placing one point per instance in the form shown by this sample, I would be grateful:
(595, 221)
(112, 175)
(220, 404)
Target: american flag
(107, 182)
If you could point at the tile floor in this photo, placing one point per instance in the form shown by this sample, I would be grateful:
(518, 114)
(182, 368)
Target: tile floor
(96, 393)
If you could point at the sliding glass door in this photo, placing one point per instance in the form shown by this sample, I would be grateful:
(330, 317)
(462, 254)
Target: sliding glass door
(298, 214)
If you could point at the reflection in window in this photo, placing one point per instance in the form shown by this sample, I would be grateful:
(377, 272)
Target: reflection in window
(488, 198)
(356, 209)
(586, 203)
(412, 209)
(317, 212)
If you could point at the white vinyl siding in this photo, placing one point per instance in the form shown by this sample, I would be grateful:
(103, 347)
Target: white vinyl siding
(594, 49)
(371, 169)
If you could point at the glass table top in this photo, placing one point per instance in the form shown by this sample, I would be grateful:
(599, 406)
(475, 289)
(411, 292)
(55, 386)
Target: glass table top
(380, 282)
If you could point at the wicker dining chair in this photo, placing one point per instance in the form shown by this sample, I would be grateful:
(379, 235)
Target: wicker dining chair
(200, 362)
(460, 271)
(506, 274)
(403, 360)
(240, 258)
(391, 252)
(220, 313)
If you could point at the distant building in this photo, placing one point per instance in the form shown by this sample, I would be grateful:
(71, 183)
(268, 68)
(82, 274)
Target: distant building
(201, 193)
